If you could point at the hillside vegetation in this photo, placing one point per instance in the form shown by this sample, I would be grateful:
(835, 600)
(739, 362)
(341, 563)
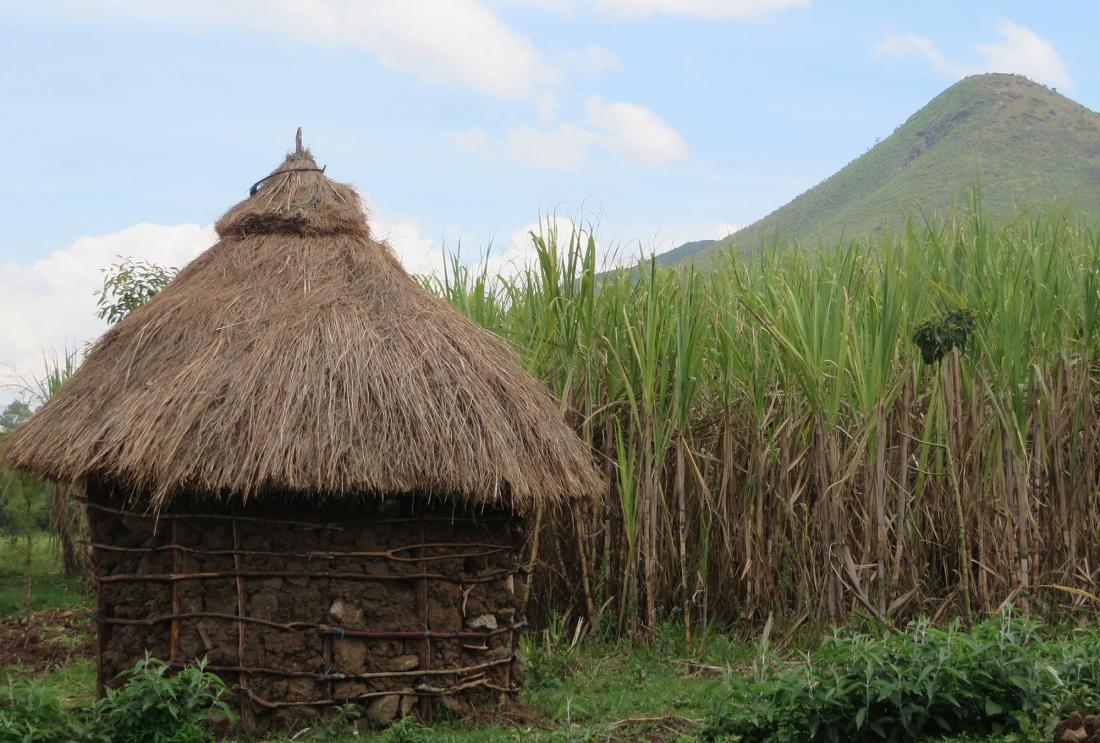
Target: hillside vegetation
(1025, 144)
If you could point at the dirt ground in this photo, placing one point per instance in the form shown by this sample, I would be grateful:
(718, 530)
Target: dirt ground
(57, 637)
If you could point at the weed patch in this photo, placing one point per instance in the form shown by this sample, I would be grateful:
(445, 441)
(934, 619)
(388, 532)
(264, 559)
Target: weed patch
(1003, 676)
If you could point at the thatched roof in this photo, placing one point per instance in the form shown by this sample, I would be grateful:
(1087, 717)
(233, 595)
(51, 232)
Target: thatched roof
(296, 355)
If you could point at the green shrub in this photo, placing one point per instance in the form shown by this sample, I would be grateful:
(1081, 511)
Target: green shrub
(28, 714)
(1001, 676)
(156, 706)
(937, 338)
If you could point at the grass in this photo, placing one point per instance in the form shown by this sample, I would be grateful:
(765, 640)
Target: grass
(51, 588)
(73, 683)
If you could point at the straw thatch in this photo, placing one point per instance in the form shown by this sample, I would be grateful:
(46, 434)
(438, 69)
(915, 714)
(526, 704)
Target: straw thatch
(296, 355)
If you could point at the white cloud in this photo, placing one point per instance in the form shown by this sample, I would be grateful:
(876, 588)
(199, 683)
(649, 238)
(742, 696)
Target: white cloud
(708, 9)
(459, 42)
(1021, 50)
(634, 132)
(904, 45)
(417, 252)
(561, 6)
(49, 306)
(1018, 50)
(592, 61)
(562, 147)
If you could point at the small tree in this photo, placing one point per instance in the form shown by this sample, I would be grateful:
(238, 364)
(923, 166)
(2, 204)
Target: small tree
(129, 284)
(13, 414)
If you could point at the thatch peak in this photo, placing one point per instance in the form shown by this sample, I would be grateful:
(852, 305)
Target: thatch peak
(296, 198)
(296, 356)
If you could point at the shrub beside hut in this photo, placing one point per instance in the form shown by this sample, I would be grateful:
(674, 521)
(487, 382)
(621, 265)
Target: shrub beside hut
(302, 466)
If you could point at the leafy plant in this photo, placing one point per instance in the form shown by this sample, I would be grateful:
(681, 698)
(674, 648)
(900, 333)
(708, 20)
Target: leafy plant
(156, 706)
(129, 284)
(937, 338)
(30, 714)
(1000, 677)
(13, 414)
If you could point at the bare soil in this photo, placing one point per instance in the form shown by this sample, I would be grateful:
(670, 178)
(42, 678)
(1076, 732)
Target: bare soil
(57, 637)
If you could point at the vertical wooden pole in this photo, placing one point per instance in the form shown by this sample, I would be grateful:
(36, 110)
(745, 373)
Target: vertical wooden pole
(101, 630)
(326, 604)
(533, 561)
(174, 627)
(517, 617)
(424, 653)
(248, 721)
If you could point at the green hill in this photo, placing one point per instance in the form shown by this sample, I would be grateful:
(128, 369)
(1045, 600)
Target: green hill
(1022, 143)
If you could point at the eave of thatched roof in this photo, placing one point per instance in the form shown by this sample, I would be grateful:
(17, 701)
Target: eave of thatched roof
(296, 355)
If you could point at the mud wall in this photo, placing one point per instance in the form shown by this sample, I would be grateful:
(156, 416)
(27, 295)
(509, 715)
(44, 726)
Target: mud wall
(398, 604)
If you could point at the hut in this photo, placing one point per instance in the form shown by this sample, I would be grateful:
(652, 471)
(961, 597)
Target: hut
(302, 466)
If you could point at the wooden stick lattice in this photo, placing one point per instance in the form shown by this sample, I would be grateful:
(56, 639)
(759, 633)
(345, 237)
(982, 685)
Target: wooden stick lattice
(415, 555)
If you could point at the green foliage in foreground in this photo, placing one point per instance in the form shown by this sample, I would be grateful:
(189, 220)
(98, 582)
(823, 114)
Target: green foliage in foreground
(154, 707)
(1006, 680)
(1002, 676)
(151, 707)
(30, 712)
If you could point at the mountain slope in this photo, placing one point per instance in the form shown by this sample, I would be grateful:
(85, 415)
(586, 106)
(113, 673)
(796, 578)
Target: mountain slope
(1021, 142)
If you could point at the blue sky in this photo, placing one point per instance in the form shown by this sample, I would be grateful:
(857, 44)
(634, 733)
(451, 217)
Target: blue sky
(130, 126)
